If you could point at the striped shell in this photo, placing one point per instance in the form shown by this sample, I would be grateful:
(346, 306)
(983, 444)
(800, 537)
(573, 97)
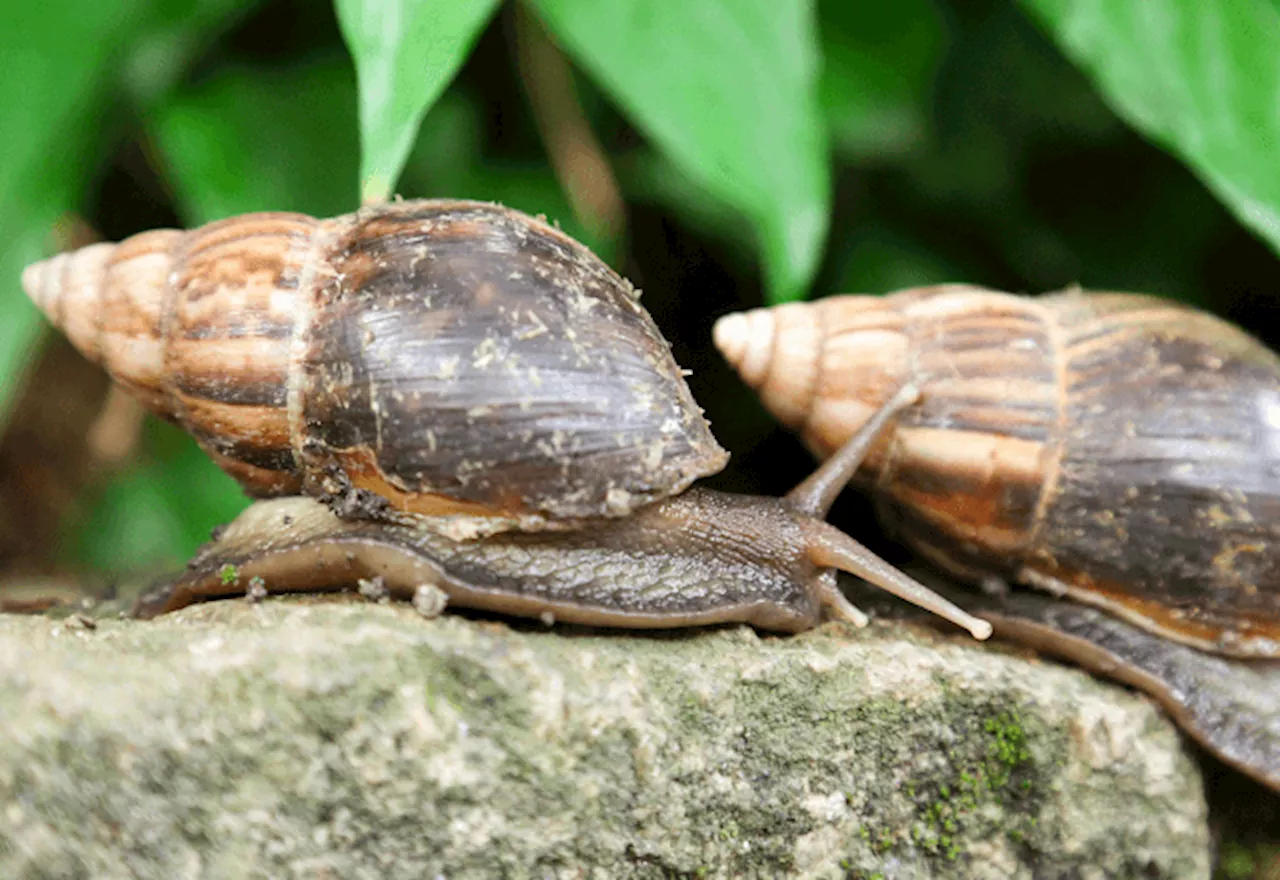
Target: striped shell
(1117, 448)
(441, 358)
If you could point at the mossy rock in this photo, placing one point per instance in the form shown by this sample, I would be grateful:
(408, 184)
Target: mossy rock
(305, 738)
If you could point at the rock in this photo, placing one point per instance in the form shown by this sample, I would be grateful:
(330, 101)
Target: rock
(313, 738)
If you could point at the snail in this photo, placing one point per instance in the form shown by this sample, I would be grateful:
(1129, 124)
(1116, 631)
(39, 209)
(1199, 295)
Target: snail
(1114, 449)
(455, 394)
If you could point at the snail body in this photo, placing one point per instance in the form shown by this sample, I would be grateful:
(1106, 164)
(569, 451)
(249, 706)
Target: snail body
(698, 558)
(1119, 449)
(451, 393)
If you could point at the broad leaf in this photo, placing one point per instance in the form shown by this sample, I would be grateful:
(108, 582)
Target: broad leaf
(448, 161)
(64, 63)
(879, 62)
(263, 140)
(57, 60)
(406, 52)
(728, 89)
(1200, 78)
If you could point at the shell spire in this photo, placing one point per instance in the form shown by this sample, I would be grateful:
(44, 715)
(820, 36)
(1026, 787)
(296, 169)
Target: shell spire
(824, 367)
(68, 290)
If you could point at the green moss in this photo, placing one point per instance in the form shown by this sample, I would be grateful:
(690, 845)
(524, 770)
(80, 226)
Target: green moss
(1241, 862)
(1237, 862)
(1007, 750)
(228, 574)
(990, 762)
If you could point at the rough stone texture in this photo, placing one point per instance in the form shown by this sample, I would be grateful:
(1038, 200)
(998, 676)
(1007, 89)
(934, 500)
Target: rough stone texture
(328, 739)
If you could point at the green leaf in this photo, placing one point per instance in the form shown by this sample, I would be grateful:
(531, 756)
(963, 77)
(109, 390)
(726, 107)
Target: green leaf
(728, 89)
(879, 259)
(648, 175)
(47, 96)
(448, 160)
(879, 64)
(1202, 79)
(269, 139)
(155, 515)
(406, 52)
(159, 56)
(64, 61)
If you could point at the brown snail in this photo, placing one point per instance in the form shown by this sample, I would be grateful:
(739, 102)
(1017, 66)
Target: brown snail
(1115, 449)
(467, 398)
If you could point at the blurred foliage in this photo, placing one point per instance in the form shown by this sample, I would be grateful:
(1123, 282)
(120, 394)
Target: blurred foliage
(295, 146)
(66, 62)
(728, 90)
(1201, 79)
(760, 150)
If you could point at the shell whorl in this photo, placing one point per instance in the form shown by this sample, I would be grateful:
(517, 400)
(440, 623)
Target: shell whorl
(972, 458)
(198, 325)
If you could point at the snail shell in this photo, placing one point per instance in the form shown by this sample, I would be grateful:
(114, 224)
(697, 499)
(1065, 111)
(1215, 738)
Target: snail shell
(1119, 449)
(438, 358)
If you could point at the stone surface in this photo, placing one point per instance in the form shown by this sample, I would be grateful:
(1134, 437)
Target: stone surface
(313, 738)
